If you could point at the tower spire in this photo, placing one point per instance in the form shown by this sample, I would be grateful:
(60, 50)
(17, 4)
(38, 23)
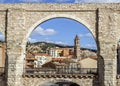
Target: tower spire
(76, 37)
(77, 47)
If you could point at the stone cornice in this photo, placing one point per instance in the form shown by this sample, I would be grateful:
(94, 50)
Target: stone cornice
(60, 75)
(59, 7)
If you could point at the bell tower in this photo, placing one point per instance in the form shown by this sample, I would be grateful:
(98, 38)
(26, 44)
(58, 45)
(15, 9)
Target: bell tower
(77, 48)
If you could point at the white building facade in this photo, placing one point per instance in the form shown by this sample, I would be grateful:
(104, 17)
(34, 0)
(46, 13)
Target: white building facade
(40, 60)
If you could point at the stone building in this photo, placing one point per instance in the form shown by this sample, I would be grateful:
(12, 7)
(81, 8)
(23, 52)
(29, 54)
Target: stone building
(29, 63)
(60, 52)
(53, 52)
(41, 58)
(89, 64)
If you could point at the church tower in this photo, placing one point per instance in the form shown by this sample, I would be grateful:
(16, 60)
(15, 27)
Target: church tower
(77, 48)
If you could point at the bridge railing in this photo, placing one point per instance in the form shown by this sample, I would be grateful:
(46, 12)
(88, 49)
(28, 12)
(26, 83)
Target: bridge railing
(61, 71)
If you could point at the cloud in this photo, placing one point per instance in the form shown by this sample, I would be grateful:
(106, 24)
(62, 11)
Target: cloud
(91, 46)
(56, 42)
(31, 40)
(85, 35)
(60, 42)
(97, 1)
(47, 1)
(32, 0)
(43, 32)
(45, 40)
(63, 1)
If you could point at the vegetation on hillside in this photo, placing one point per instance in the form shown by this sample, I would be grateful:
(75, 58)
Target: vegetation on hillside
(41, 47)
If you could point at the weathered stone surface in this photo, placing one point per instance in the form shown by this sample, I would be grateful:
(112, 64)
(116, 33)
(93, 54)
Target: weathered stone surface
(17, 21)
(43, 81)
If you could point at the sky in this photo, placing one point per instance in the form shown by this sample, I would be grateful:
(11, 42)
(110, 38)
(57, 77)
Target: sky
(1, 37)
(59, 1)
(63, 31)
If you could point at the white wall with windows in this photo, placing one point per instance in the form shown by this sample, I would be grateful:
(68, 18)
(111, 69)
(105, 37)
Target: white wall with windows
(40, 60)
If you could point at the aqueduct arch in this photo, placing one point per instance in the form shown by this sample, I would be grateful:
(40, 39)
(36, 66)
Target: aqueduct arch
(50, 17)
(60, 15)
(102, 20)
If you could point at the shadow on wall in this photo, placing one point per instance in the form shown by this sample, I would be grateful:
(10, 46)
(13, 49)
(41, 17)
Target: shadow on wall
(66, 84)
(62, 83)
(49, 84)
(99, 80)
(96, 81)
(74, 84)
(118, 58)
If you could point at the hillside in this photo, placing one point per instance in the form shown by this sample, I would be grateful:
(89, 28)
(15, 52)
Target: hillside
(41, 47)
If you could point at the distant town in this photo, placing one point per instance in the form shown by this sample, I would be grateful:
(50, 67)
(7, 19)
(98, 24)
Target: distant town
(62, 58)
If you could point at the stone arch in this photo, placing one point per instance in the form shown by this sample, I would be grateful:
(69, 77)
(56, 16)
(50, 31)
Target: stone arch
(74, 18)
(58, 16)
(105, 14)
(83, 22)
(58, 82)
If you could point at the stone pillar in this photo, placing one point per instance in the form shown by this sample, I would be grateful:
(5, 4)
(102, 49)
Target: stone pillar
(15, 35)
(107, 30)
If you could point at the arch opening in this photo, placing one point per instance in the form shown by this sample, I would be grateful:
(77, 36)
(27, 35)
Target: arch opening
(60, 83)
(57, 49)
(84, 26)
(66, 84)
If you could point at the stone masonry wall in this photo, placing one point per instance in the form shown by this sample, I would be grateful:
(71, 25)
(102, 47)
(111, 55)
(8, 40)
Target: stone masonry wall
(17, 21)
(15, 35)
(108, 44)
(118, 81)
(43, 81)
